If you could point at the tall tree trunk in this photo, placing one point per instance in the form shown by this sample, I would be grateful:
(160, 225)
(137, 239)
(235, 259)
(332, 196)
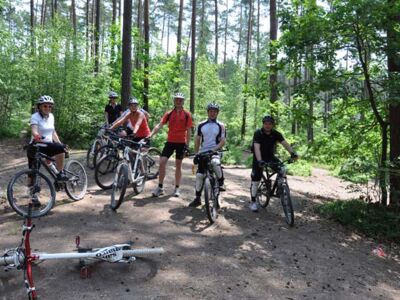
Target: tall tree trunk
(43, 13)
(73, 19)
(226, 35)
(97, 38)
(193, 60)
(246, 72)
(147, 55)
(87, 29)
(168, 28)
(163, 29)
(113, 32)
(216, 31)
(126, 53)
(273, 78)
(258, 31)
(240, 34)
(294, 122)
(32, 29)
(138, 46)
(92, 28)
(393, 39)
(186, 61)
(179, 36)
(202, 42)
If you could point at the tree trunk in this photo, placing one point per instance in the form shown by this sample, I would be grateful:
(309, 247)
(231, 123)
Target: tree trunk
(216, 31)
(226, 36)
(179, 36)
(273, 78)
(126, 54)
(240, 35)
(43, 13)
(32, 6)
(87, 30)
(138, 48)
(147, 55)
(73, 19)
(113, 32)
(246, 72)
(202, 43)
(258, 30)
(163, 29)
(193, 61)
(92, 29)
(393, 40)
(168, 28)
(97, 38)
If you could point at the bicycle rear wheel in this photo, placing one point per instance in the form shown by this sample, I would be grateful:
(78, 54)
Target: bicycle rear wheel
(105, 170)
(263, 194)
(153, 163)
(90, 155)
(210, 200)
(76, 185)
(140, 172)
(287, 204)
(119, 186)
(31, 186)
(104, 150)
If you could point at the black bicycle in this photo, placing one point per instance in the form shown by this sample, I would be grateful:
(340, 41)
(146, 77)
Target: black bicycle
(276, 187)
(210, 185)
(31, 186)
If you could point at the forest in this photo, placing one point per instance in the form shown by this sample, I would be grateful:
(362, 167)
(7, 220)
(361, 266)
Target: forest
(328, 70)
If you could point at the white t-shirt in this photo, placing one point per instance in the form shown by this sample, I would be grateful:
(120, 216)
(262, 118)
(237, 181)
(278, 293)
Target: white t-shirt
(211, 133)
(45, 126)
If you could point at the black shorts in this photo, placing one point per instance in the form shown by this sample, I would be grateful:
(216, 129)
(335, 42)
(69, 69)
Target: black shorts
(51, 150)
(169, 148)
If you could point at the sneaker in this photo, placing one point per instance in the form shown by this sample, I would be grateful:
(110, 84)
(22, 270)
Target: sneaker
(177, 192)
(158, 192)
(254, 206)
(35, 201)
(196, 202)
(222, 188)
(62, 177)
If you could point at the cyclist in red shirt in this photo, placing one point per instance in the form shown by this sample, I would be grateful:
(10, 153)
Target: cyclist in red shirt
(179, 124)
(140, 128)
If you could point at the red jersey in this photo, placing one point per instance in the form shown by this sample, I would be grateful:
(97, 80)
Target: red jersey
(178, 124)
(144, 130)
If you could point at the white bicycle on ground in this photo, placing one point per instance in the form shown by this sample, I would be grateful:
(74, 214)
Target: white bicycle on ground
(22, 256)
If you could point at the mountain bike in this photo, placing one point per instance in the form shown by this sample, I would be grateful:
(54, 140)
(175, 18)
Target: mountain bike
(105, 168)
(33, 186)
(22, 257)
(103, 138)
(134, 168)
(210, 185)
(277, 187)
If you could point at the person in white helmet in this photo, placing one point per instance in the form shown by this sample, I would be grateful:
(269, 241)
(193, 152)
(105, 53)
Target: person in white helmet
(113, 110)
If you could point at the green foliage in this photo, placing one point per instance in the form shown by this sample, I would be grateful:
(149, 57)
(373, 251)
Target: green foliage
(374, 221)
(300, 168)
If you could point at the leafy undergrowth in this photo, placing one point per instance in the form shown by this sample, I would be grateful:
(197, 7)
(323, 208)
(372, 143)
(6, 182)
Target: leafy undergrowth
(377, 222)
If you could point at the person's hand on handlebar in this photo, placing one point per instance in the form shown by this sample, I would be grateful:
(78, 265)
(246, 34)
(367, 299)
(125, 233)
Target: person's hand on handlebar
(294, 156)
(261, 163)
(196, 159)
(37, 138)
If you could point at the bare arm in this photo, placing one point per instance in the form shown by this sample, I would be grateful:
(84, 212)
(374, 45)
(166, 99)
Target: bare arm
(55, 137)
(188, 134)
(257, 151)
(156, 129)
(106, 117)
(287, 147)
(197, 143)
(120, 121)
(34, 130)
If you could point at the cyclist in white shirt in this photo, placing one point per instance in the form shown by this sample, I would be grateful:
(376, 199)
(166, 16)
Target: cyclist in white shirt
(211, 135)
(43, 131)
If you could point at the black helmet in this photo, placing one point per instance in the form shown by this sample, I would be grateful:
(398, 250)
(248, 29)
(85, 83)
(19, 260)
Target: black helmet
(268, 119)
(212, 106)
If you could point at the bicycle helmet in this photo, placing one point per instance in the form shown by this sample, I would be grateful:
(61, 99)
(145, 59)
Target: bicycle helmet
(112, 95)
(179, 96)
(212, 106)
(133, 100)
(45, 99)
(268, 119)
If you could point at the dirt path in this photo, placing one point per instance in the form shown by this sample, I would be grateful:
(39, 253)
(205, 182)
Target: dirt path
(243, 256)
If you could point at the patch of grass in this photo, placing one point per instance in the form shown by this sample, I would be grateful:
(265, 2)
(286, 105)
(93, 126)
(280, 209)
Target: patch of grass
(374, 221)
(300, 168)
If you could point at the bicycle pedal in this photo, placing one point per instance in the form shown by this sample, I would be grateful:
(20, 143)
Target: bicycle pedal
(85, 272)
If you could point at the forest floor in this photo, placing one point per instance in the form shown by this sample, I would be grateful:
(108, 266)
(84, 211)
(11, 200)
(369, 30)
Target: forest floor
(244, 255)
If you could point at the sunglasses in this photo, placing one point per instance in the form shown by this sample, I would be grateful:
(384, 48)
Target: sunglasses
(47, 106)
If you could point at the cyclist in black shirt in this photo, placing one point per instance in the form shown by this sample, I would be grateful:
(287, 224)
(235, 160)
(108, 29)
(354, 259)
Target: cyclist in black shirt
(112, 110)
(264, 146)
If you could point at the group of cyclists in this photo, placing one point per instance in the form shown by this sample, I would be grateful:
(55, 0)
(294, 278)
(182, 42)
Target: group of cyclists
(210, 135)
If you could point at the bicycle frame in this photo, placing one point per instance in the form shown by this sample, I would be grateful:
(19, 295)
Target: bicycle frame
(280, 174)
(128, 153)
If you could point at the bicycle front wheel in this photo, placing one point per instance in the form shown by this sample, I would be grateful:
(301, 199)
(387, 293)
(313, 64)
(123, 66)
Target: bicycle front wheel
(119, 186)
(210, 200)
(153, 163)
(104, 150)
(31, 187)
(76, 185)
(287, 204)
(105, 170)
(90, 155)
(140, 176)
(263, 194)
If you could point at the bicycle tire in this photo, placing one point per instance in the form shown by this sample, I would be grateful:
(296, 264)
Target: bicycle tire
(138, 187)
(77, 183)
(102, 151)
(119, 187)
(90, 155)
(153, 163)
(104, 171)
(209, 201)
(263, 194)
(18, 191)
(287, 204)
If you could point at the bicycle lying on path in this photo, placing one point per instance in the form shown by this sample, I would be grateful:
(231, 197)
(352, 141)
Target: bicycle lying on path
(277, 187)
(138, 164)
(22, 256)
(112, 155)
(33, 186)
(210, 184)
